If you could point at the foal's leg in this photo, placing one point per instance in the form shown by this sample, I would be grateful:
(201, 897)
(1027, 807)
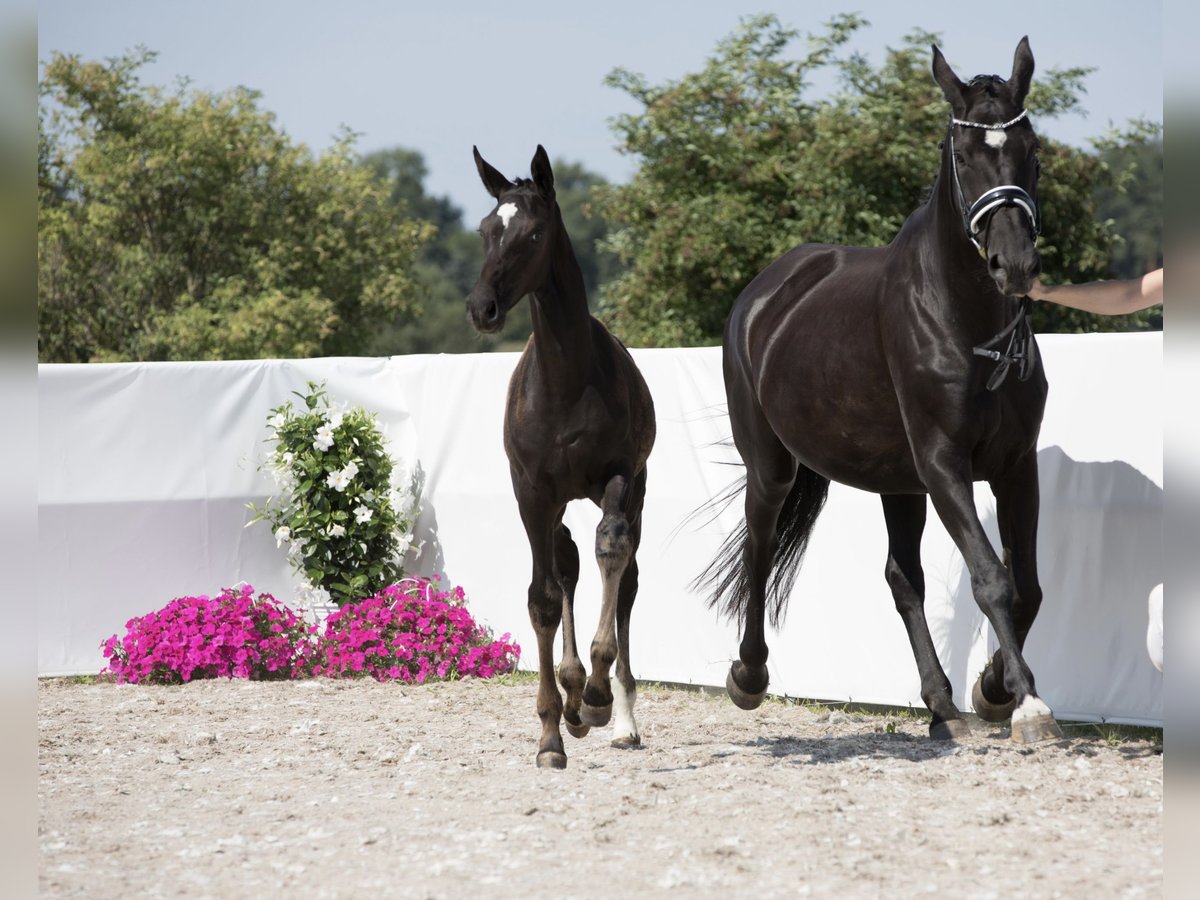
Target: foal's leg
(625, 730)
(614, 550)
(571, 673)
(545, 613)
(905, 517)
(950, 489)
(1017, 515)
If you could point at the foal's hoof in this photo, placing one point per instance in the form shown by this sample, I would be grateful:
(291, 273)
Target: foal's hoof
(743, 699)
(949, 730)
(627, 742)
(594, 715)
(551, 759)
(985, 709)
(577, 731)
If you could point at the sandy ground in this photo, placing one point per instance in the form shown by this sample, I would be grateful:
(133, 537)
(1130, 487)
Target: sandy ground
(349, 789)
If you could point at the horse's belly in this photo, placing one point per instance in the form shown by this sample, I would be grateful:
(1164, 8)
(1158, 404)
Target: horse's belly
(868, 457)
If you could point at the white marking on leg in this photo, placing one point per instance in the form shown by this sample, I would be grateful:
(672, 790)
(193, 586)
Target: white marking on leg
(506, 211)
(1031, 707)
(995, 138)
(623, 723)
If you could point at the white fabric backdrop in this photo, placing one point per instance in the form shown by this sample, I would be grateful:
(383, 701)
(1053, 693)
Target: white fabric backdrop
(145, 471)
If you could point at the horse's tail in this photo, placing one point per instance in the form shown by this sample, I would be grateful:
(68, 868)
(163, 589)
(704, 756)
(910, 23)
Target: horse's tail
(725, 578)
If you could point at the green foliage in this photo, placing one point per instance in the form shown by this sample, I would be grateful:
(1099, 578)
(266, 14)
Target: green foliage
(346, 524)
(738, 166)
(1134, 201)
(185, 225)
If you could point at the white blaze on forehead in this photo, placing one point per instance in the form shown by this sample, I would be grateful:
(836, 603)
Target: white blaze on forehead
(995, 138)
(506, 211)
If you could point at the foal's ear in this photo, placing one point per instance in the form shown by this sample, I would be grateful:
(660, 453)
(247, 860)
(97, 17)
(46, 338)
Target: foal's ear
(495, 183)
(543, 175)
(951, 87)
(1022, 73)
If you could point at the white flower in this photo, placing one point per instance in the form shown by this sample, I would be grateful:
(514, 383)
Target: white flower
(288, 458)
(277, 421)
(362, 514)
(337, 480)
(324, 438)
(351, 469)
(334, 419)
(337, 530)
(283, 533)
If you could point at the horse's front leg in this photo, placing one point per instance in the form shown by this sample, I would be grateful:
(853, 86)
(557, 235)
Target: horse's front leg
(545, 614)
(614, 551)
(950, 489)
(571, 674)
(1017, 503)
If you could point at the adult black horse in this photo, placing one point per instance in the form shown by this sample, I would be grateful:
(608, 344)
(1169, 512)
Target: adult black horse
(579, 424)
(873, 367)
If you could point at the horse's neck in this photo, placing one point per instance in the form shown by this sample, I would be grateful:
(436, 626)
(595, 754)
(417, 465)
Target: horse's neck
(562, 329)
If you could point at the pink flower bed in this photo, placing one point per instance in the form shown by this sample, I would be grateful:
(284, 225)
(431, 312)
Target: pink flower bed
(232, 635)
(411, 632)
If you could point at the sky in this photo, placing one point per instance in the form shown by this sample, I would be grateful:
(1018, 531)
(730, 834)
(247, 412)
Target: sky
(442, 77)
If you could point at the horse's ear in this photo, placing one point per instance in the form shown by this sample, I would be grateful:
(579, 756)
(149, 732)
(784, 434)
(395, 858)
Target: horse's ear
(543, 175)
(951, 87)
(495, 183)
(1022, 73)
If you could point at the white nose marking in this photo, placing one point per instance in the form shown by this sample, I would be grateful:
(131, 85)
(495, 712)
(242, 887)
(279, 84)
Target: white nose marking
(506, 212)
(995, 138)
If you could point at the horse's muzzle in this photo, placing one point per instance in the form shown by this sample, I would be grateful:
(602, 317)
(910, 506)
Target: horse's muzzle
(1014, 273)
(485, 311)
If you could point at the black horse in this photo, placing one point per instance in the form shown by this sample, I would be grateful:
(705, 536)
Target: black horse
(873, 367)
(579, 423)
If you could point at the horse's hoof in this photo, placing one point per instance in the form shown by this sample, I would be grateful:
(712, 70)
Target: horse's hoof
(551, 759)
(627, 742)
(577, 731)
(985, 709)
(595, 715)
(743, 699)
(1032, 729)
(949, 730)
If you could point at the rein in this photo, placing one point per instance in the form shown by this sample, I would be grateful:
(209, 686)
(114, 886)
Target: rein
(1020, 350)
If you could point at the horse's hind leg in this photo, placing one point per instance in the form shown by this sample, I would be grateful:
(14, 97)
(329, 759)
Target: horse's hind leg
(571, 674)
(771, 472)
(994, 698)
(905, 517)
(614, 551)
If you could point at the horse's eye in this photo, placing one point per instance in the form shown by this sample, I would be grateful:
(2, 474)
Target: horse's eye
(537, 236)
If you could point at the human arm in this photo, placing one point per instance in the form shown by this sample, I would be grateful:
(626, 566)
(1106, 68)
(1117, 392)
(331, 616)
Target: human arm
(1106, 298)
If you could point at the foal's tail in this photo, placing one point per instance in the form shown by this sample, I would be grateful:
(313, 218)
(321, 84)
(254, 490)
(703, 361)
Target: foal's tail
(725, 578)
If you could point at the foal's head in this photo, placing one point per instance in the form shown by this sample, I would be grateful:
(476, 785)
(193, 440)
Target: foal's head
(517, 239)
(993, 160)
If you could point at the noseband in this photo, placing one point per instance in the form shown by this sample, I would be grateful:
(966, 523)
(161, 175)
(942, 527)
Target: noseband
(977, 215)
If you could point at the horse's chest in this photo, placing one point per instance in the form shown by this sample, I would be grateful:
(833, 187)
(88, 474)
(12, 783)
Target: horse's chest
(566, 444)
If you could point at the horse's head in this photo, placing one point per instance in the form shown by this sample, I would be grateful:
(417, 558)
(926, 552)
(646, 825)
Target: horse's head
(517, 236)
(992, 155)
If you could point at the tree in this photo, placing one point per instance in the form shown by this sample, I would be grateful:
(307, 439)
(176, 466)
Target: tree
(1134, 204)
(186, 226)
(738, 166)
